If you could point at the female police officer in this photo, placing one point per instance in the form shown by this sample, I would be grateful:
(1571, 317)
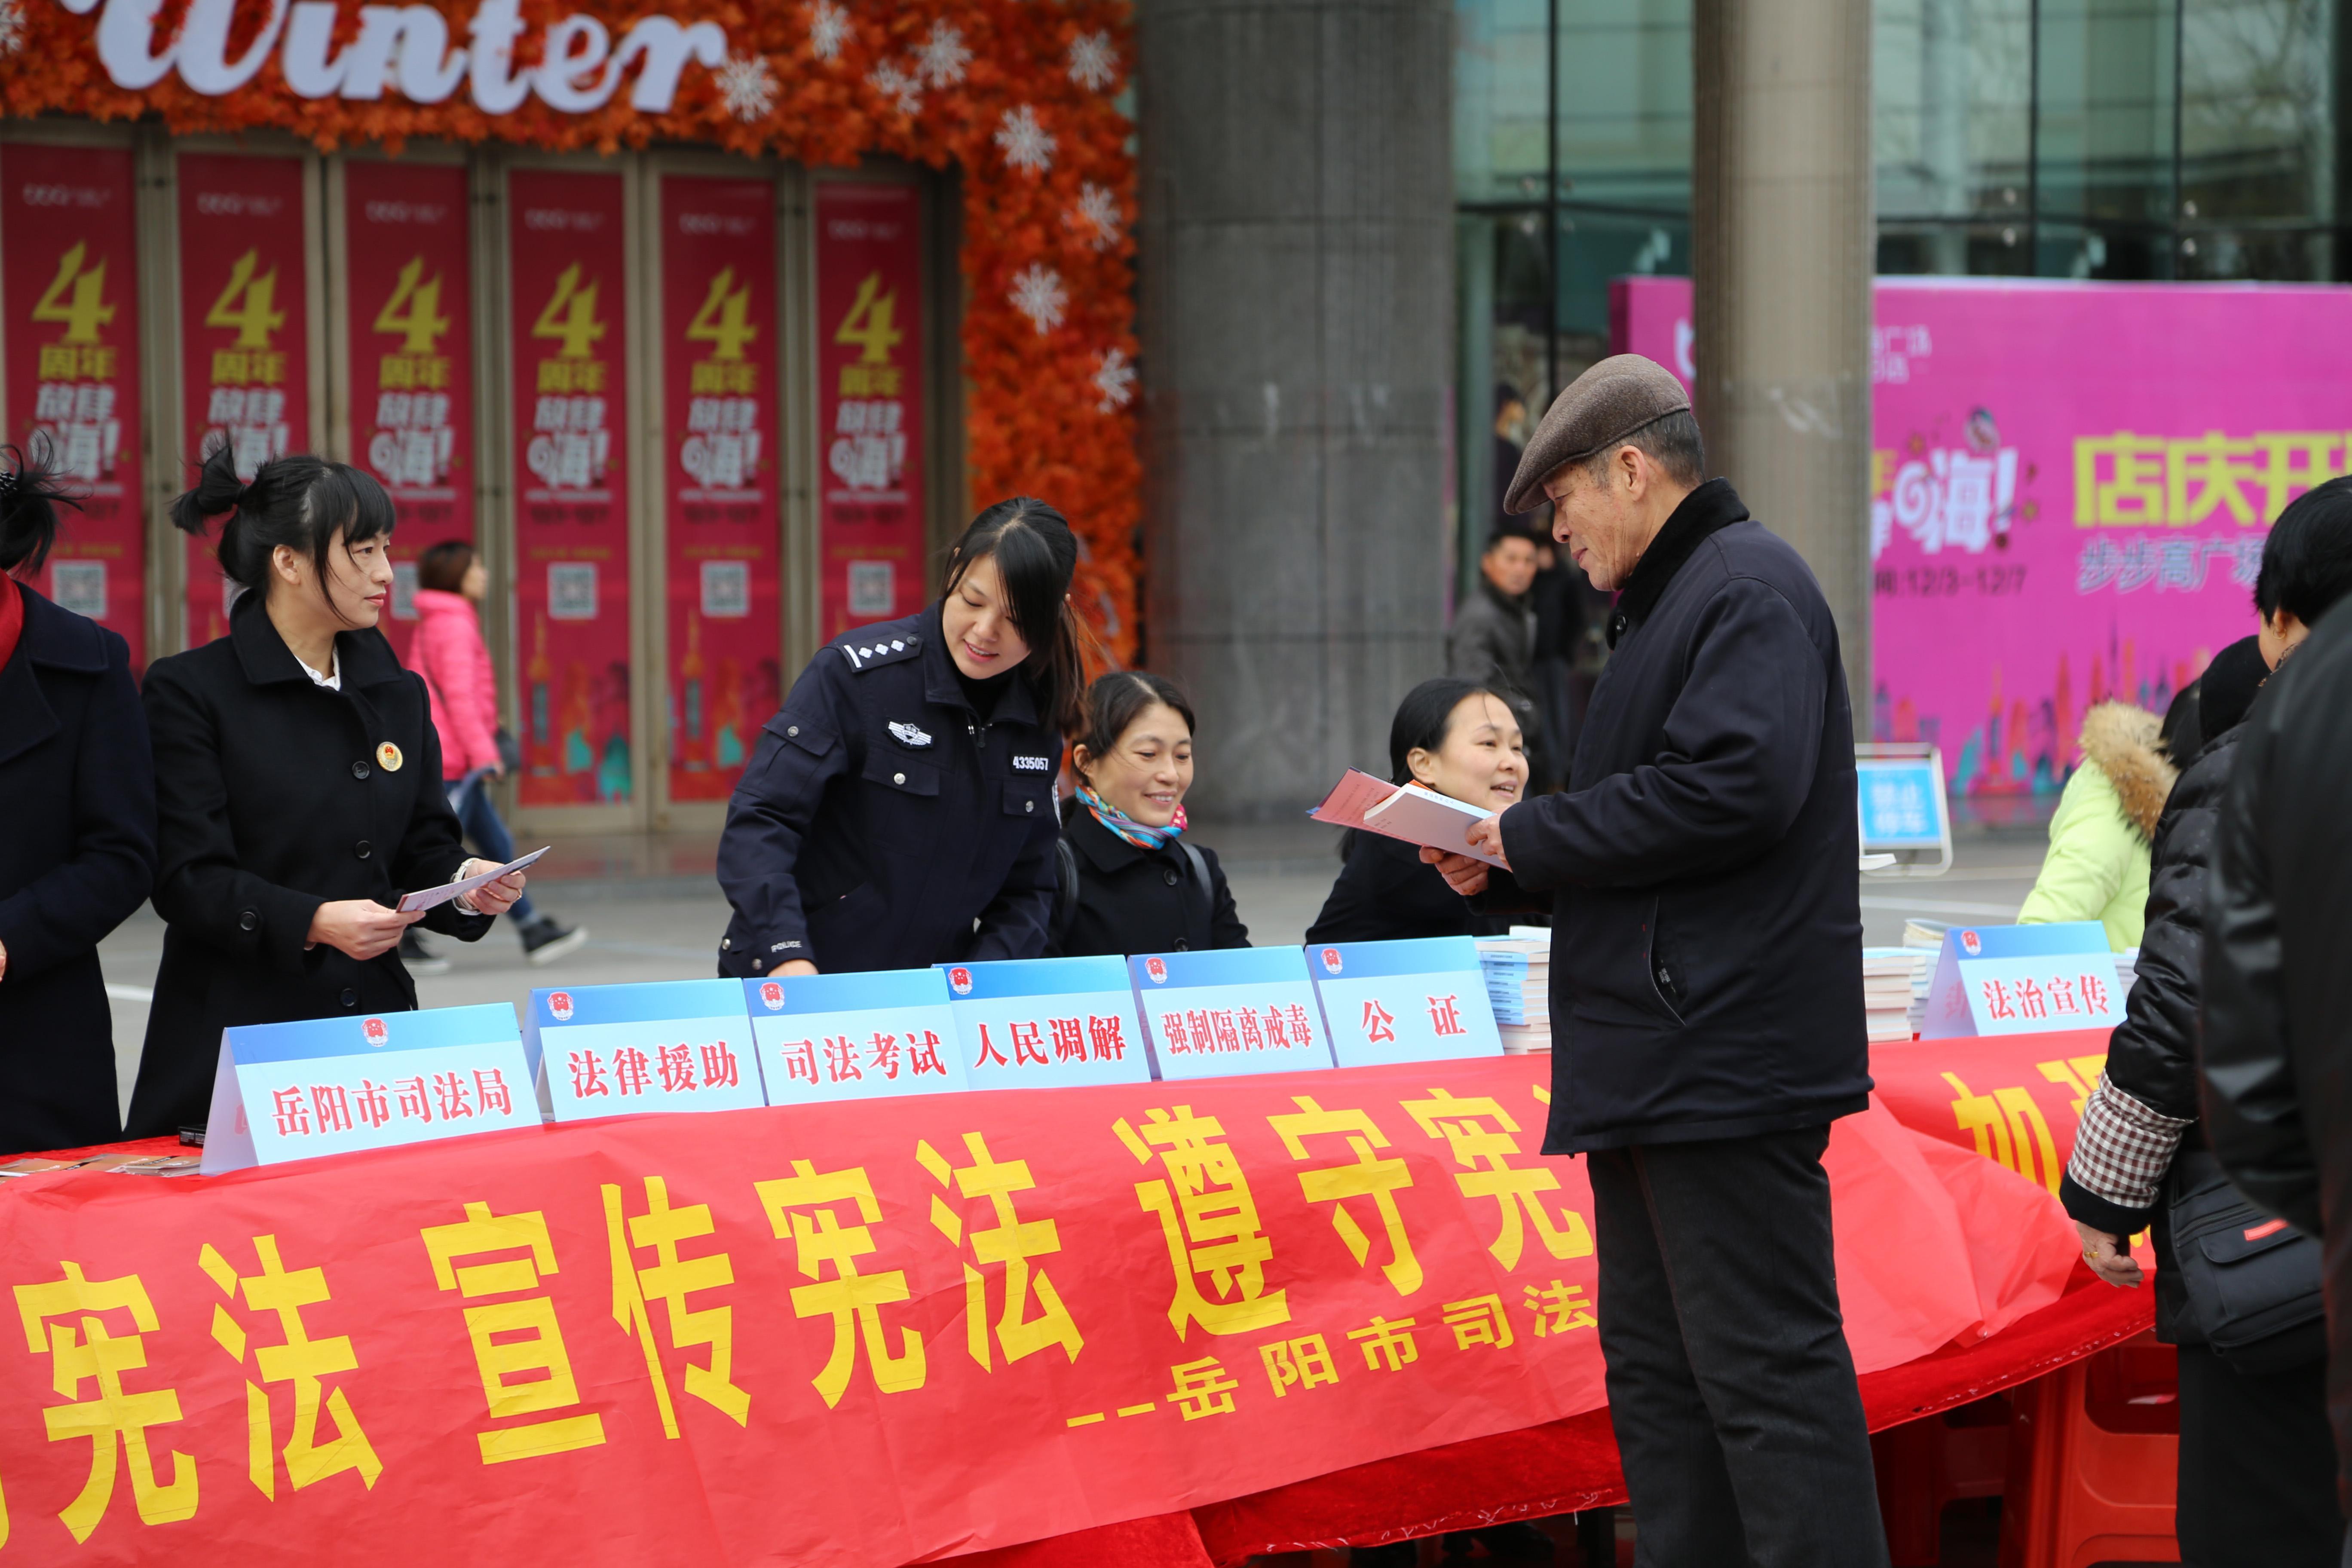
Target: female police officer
(297, 785)
(899, 810)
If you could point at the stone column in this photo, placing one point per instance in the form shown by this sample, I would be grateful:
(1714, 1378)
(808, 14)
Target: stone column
(1297, 306)
(1783, 244)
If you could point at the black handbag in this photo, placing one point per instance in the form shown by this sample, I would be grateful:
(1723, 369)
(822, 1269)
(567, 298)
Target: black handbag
(2253, 1281)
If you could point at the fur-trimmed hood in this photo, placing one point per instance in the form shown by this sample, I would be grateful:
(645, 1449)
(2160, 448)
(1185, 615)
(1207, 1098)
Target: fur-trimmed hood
(2121, 741)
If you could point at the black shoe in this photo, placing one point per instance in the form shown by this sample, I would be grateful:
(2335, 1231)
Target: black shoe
(419, 959)
(545, 939)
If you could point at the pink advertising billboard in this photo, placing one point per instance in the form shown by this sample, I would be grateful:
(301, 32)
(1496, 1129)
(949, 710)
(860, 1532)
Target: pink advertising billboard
(2070, 485)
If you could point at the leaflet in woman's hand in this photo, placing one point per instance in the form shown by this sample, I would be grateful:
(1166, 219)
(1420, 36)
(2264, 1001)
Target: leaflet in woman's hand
(431, 898)
(1406, 812)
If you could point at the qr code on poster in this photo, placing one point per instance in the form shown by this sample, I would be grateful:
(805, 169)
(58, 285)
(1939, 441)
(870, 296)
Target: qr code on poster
(572, 591)
(79, 586)
(725, 589)
(873, 588)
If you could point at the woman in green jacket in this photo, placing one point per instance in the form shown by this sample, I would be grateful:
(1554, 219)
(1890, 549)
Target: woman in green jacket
(2097, 864)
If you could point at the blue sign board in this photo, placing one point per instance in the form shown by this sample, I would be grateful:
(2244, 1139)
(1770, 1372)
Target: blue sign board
(664, 1045)
(825, 1038)
(1417, 1000)
(2024, 980)
(1033, 1023)
(323, 1086)
(1230, 1011)
(1902, 803)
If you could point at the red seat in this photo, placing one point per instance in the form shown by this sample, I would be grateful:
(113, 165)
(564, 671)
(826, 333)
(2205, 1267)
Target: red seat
(1926, 1465)
(2092, 1461)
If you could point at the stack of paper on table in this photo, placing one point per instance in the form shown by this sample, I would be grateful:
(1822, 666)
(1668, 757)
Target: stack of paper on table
(1406, 812)
(1926, 938)
(1518, 985)
(1893, 978)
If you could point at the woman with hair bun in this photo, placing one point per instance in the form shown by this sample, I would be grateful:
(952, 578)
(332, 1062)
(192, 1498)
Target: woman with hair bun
(898, 811)
(297, 785)
(79, 852)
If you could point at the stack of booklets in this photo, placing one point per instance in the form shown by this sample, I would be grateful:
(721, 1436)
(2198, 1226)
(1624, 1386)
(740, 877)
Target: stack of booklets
(1518, 984)
(1925, 938)
(1894, 988)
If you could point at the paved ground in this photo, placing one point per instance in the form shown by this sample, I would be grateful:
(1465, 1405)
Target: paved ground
(653, 913)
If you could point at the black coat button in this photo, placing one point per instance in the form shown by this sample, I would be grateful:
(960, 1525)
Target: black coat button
(1168, 876)
(249, 920)
(360, 770)
(362, 849)
(350, 999)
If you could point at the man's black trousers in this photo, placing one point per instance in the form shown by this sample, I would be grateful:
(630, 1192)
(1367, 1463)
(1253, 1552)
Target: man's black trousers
(1730, 1387)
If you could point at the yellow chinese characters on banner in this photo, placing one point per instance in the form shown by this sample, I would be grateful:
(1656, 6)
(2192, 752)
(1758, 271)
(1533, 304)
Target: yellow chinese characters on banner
(670, 1280)
(2133, 481)
(1009, 1242)
(304, 1362)
(1377, 1179)
(1209, 1223)
(805, 1209)
(539, 1349)
(1485, 1154)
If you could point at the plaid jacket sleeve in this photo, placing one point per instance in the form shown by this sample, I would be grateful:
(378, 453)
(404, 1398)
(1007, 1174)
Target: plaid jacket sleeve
(2122, 1149)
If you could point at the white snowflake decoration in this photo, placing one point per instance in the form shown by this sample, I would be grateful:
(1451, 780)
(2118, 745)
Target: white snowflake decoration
(1115, 379)
(1037, 293)
(748, 87)
(1028, 146)
(1094, 64)
(904, 91)
(828, 29)
(942, 57)
(12, 26)
(1097, 215)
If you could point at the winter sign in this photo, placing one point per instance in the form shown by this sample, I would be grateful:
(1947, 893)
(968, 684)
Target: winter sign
(826, 1038)
(1047, 1021)
(1419, 1001)
(668, 1044)
(326, 1085)
(1236, 1010)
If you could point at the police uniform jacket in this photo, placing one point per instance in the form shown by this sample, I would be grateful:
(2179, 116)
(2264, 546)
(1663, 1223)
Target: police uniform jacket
(77, 857)
(885, 823)
(274, 795)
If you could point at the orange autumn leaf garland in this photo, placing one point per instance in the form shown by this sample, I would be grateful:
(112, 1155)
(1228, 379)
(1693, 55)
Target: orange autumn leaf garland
(1020, 94)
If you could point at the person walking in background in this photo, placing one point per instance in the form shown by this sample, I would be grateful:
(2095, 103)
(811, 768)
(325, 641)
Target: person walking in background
(449, 653)
(2256, 1486)
(78, 853)
(1461, 739)
(1493, 640)
(2098, 861)
(1706, 998)
(297, 785)
(1130, 880)
(898, 810)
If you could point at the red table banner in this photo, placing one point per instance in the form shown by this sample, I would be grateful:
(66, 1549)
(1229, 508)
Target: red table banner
(2014, 1099)
(719, 482)
(863, 1334)
(869, 401)
(411, 331)
(70, 278)
(569, 263)
(244, 333)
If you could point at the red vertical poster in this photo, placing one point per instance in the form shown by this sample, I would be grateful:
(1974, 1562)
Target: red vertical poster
(869, 295)
(244, 334)
(569, 257)
(68, 273)
(411, 331)
(718, 484)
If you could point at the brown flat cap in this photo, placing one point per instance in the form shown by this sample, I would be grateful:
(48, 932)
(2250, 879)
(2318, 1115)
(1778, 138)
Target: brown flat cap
(1600, 408)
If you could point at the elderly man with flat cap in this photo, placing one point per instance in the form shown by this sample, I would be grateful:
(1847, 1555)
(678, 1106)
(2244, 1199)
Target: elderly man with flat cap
(1705, 985)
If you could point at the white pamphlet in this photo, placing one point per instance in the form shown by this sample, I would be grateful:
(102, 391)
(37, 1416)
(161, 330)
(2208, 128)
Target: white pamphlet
(1406, 812)
(432, 898)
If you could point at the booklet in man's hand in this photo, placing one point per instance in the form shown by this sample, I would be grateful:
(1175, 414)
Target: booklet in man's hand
(1407, 812)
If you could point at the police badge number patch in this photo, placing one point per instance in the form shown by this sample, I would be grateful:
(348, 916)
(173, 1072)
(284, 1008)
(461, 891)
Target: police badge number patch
(908, 735)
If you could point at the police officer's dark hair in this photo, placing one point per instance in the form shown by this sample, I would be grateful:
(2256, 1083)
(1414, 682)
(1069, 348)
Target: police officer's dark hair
(1116, 700)
(1425, 715)
(30, 494)
(2307, 559)
(442, 567)
(300, 501)
(1036, 554)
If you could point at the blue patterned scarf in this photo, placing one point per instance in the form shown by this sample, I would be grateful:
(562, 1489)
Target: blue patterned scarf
(1124, 827)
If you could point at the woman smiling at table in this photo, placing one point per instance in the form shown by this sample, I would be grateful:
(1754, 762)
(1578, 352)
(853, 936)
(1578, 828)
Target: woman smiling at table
(297, 785)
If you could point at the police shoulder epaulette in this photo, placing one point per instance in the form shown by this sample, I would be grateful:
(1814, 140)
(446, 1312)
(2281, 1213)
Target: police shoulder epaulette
(863, 654)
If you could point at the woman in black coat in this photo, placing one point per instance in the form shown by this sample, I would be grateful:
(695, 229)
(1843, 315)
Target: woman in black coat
(1131, 881)
(299, 786)
(77, 853)
(1460, 738)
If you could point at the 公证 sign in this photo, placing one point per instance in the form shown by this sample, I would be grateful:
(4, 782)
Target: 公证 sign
(404, 49)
